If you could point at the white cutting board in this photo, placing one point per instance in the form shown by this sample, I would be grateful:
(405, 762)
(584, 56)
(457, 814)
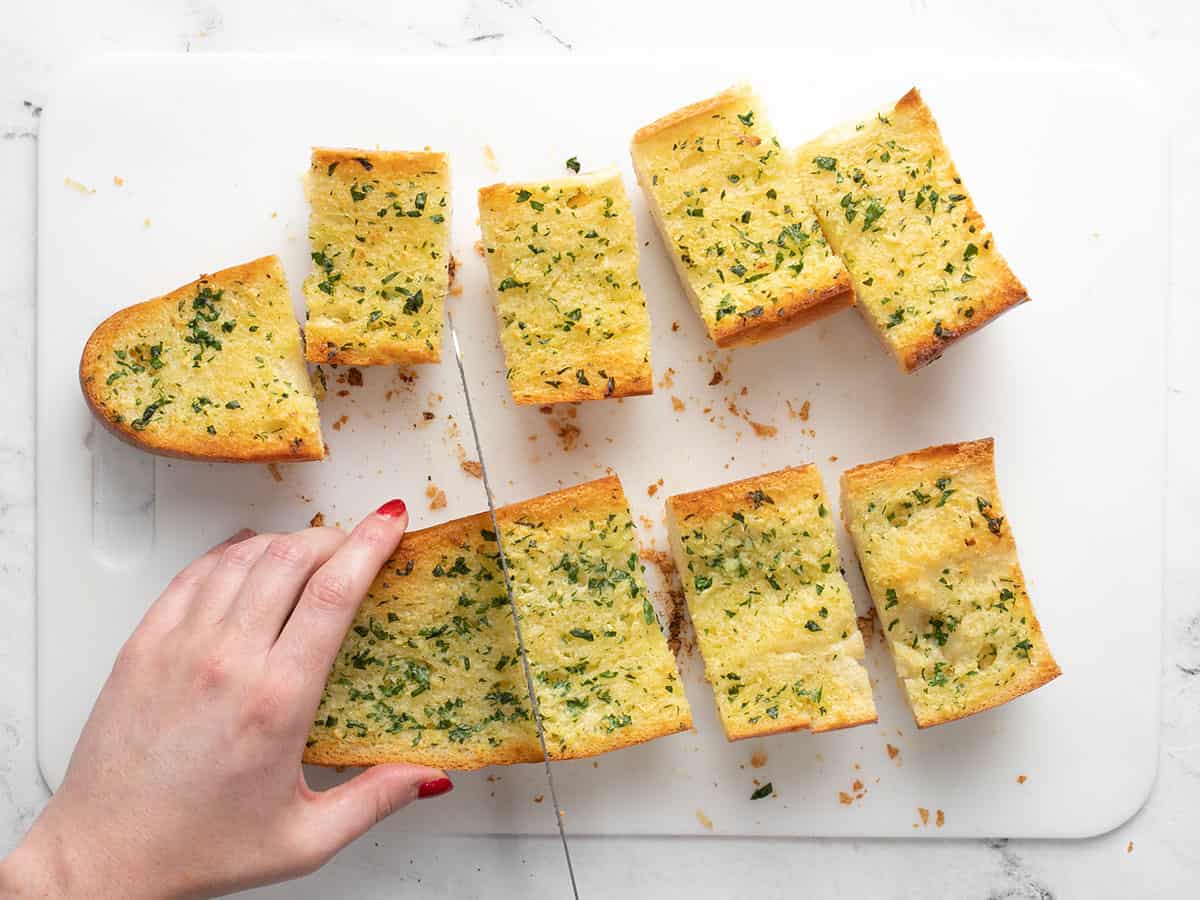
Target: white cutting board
(1068, 166)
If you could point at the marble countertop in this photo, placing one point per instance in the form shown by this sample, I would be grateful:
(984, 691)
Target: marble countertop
(1155, 854)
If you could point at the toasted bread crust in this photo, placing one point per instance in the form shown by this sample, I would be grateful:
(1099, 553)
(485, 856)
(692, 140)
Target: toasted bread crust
(732, 96)
(948, 460)
(218, 448)
(399, 163)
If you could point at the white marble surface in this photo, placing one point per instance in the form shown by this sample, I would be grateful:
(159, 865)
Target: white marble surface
(1155, 854)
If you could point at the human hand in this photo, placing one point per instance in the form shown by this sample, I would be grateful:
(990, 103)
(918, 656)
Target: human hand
(186, 781)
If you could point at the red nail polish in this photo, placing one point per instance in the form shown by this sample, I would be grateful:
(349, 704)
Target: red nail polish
(393, 509)
(435, 788)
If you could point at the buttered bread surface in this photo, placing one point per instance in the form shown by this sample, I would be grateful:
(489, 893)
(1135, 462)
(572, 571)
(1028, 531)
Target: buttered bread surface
(774, 618)
(379, 231)
(925, 268)
(938, 554)
(562, 255)
(430, 670)
(728, 202)
(213, 370)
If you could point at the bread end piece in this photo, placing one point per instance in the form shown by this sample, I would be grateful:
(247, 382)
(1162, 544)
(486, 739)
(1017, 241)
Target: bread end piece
(150, 355)
(938, 555)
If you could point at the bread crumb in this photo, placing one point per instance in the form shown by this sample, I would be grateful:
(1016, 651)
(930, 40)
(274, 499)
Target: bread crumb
(763, 431)
(717, 378)
(437, 497)
(1021, 779)
(844, 798)
(539, 798)
(652, 489)
(118, 180)
(354, 376)
(866, 624)
(758, 759)
(833, 459)
(674, 326)
(892, 752)
(924, 814)
(801, 413)
(677, 404)
(472, 468)
(489, 158)
(668, 379)
(567, 434)
(274, 470)
(705, 820)
(77, 186)
(940, 820)
(1129, 847)
(337, 426)
(857, 786)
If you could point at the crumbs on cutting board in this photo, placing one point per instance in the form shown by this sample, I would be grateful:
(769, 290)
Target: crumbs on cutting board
(758, 759)
(802, 412)
(668, 379)
(78, 186)
(437, 497)
(703, 819)
(1021, 779)
(568, 433)
(893, 752)
(867, 623)
(274, 470)
(489, 158)
(472, 468)
(354, 376)
(317, 521)
(857, 792)
(342, 420)
(652, 489)
(677, 404)
(118, 181)
(1129, 847)
(939, 818)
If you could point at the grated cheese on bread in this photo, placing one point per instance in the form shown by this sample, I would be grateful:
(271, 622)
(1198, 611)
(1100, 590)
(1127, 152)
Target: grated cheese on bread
(773, 615)
(430, 671)
(213, 370)
(380, 236)
(563, 260)
(925, 268)
(938, 555)
(730, 207)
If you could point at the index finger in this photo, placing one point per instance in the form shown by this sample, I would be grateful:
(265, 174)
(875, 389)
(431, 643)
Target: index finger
(310, 640)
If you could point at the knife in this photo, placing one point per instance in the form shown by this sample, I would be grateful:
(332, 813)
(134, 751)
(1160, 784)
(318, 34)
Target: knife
(537, 715)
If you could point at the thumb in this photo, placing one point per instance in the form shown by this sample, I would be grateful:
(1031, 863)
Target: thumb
(349, 810)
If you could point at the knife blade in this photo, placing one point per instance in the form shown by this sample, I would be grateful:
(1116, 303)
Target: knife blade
(533, 702)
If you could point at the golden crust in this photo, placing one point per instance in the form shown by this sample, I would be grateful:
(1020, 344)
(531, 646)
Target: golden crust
(307, 446)
(730, 97)
(976, 457)
(320, 349)
(795, 311)
(398, 163)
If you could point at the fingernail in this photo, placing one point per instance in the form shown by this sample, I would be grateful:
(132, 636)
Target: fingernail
(435, 788)
(393, 509)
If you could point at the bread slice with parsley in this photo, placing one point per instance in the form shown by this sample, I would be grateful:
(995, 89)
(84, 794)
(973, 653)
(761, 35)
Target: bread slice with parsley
(430, 671)
(773, 615)
(938, 554)
(890, 199)
(380, 236)
(605, 677)
(732, 212)
(213, 370)
(563, 259)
